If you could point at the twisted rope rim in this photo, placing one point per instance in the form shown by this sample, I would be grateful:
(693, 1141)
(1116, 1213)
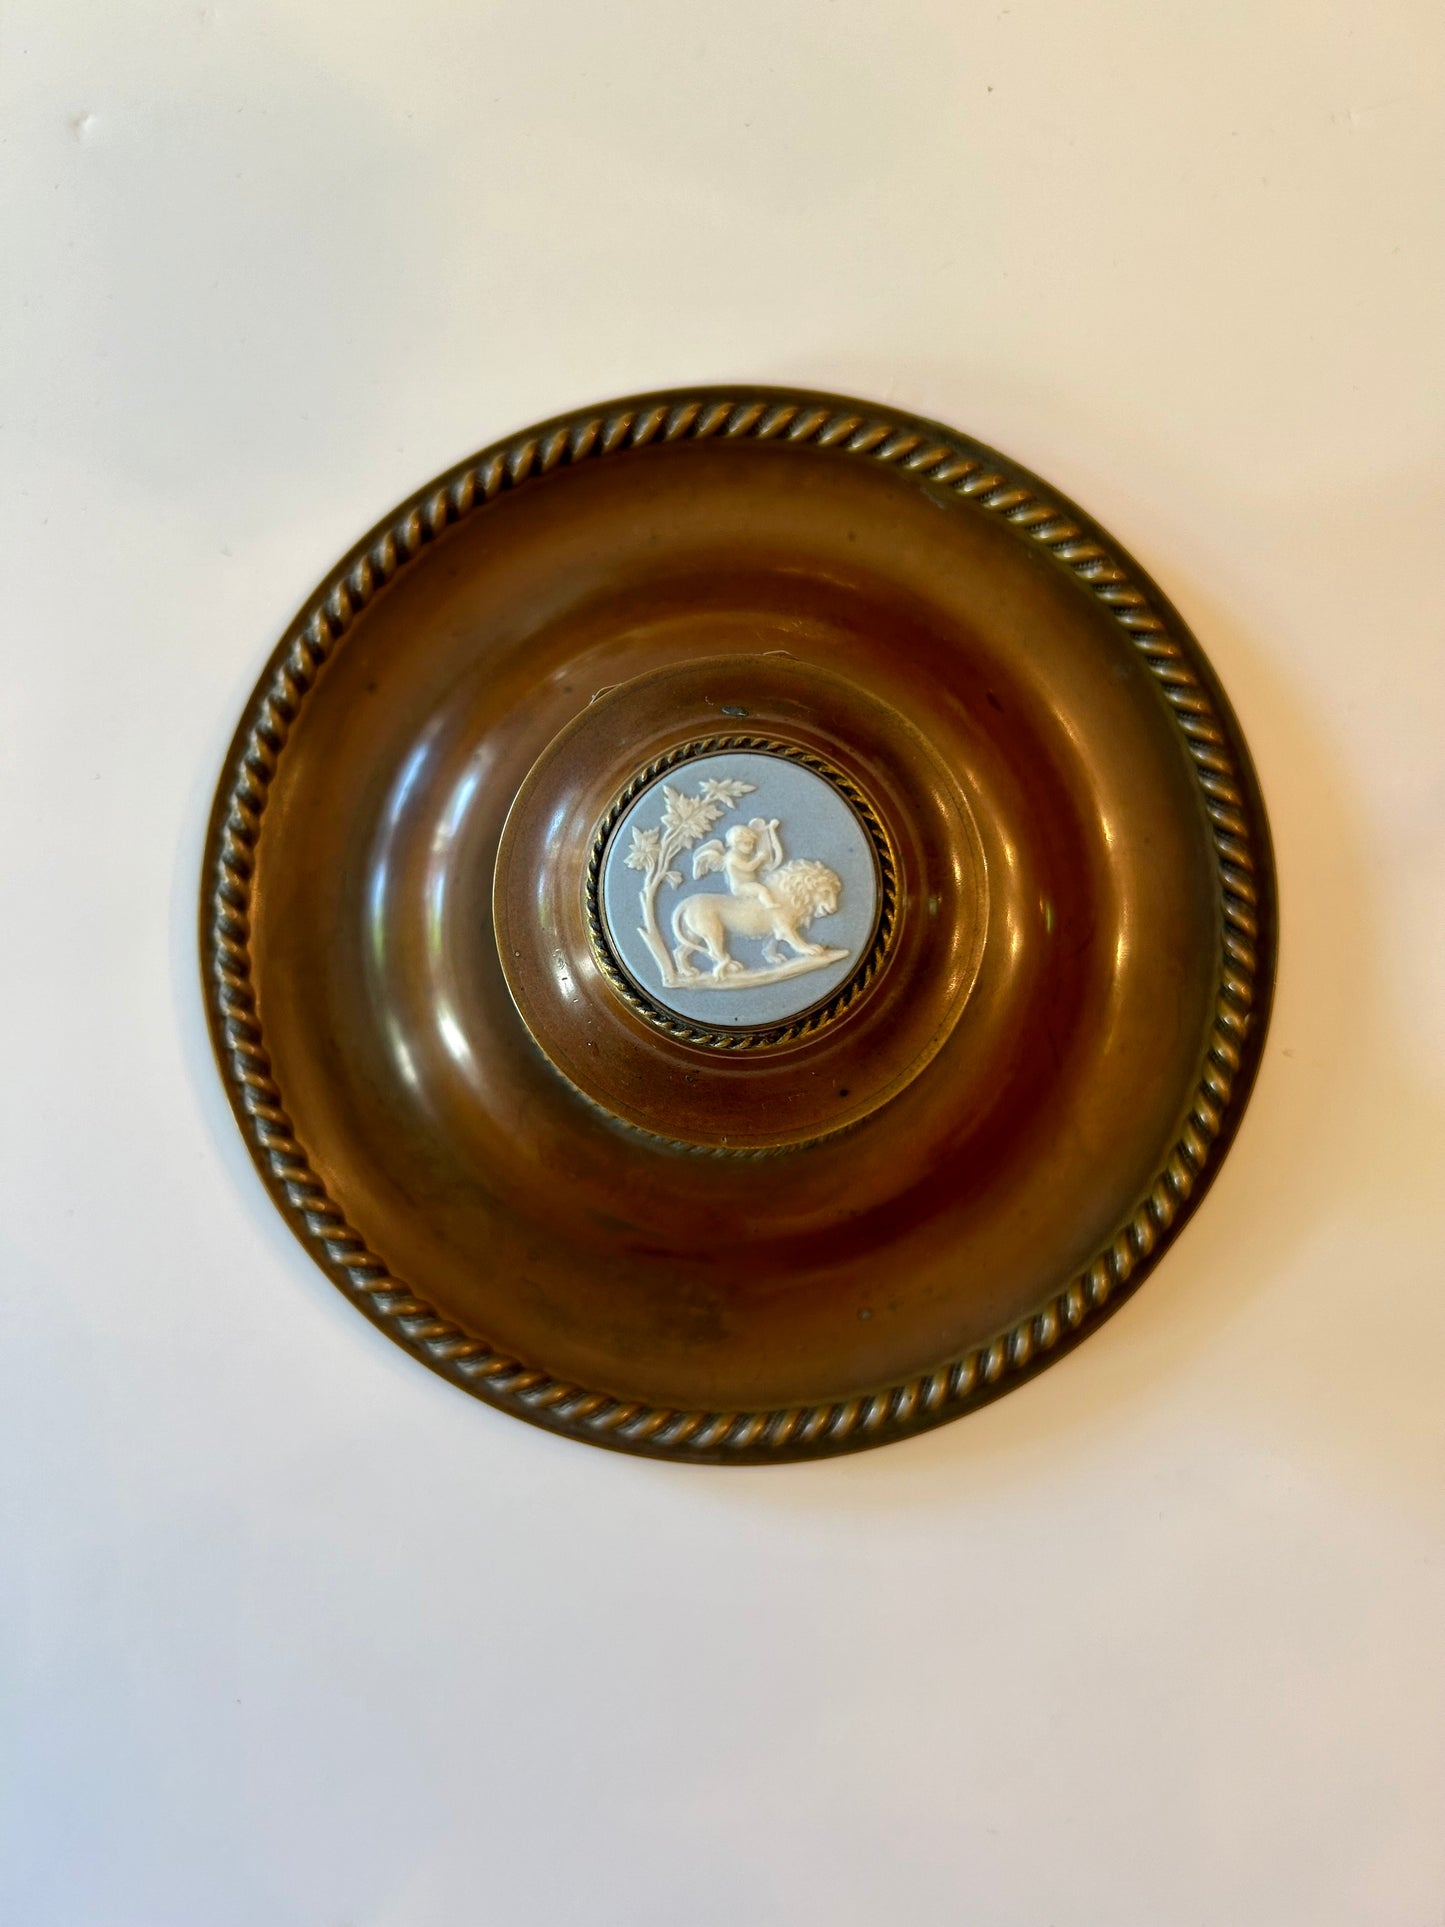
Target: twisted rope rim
(1212, 741)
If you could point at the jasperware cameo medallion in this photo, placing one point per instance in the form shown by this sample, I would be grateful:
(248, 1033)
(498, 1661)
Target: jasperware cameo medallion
(741, 950)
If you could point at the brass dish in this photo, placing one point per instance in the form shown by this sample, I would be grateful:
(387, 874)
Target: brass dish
(746, 1181)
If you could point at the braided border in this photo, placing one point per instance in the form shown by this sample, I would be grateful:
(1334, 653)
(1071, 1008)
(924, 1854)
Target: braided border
(1211, 739)
(821, 1014)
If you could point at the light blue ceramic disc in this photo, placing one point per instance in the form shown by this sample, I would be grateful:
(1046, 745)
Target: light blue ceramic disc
(739, 890)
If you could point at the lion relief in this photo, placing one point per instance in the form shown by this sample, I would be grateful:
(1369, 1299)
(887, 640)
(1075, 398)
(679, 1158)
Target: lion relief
(794, 894)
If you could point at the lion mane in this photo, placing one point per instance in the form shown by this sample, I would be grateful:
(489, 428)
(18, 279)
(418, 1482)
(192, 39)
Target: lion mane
(808, 887)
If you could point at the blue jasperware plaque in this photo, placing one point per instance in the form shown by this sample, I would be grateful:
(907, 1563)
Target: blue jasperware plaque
(739, 890)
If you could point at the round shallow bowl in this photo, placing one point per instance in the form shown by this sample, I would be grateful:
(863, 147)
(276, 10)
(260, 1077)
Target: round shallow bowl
(738, 925)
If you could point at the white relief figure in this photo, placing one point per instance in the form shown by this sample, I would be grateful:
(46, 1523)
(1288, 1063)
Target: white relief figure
(745, 857)
(768, 899)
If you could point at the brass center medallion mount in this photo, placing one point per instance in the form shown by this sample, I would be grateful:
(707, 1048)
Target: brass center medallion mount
(725, 932)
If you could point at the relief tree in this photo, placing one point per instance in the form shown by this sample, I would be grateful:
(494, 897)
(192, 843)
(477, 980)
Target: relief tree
(685, 819)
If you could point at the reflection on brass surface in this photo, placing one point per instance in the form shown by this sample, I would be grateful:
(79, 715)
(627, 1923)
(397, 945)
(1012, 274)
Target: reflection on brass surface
(723, 1237)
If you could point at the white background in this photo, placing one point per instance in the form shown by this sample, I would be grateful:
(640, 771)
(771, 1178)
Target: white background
(294, 1632)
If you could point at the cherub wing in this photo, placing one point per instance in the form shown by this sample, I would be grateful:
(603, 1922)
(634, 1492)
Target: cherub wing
(707, 857)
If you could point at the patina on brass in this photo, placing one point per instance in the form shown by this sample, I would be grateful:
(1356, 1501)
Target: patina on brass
(724, 1242)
